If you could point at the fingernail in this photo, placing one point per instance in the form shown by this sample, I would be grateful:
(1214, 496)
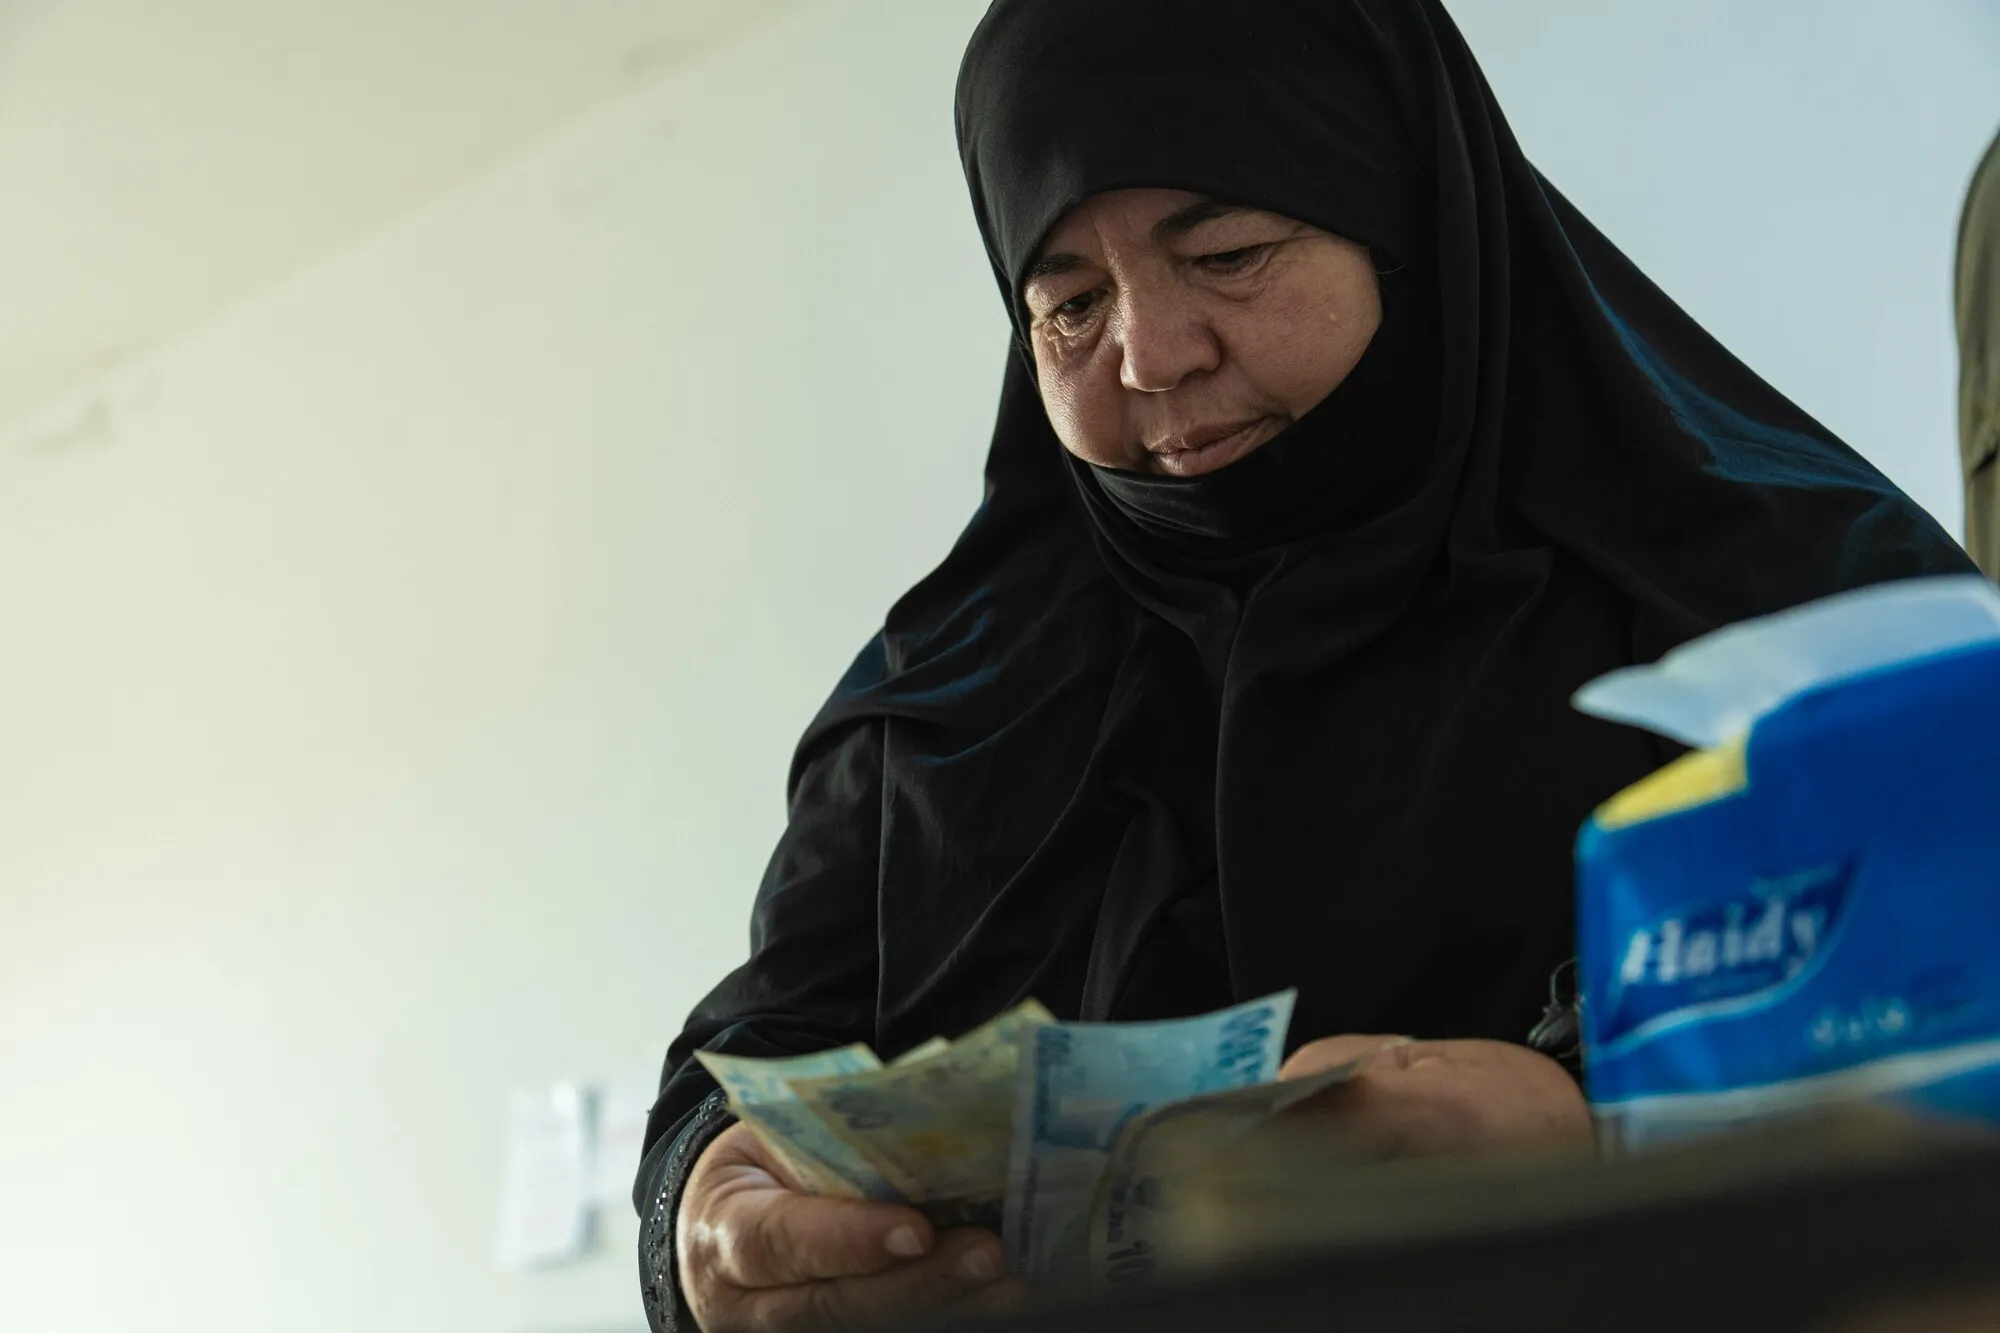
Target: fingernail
(904, 1243)
(979, 1265)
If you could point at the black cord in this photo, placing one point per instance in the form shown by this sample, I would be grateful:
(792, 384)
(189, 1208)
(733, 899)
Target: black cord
(1559, 1034)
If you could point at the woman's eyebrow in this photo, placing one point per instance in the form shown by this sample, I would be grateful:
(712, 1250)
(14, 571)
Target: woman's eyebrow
(1055, 265)
(1171, 227)
(1184, 220)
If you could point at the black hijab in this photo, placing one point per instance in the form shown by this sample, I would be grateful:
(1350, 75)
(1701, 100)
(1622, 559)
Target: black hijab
(1142, 744)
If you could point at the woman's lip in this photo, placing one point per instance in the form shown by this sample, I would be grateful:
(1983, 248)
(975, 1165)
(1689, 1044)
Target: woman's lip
(1208, 457)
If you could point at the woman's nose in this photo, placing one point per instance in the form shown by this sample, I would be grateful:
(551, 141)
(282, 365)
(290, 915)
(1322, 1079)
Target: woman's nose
(1163, 340)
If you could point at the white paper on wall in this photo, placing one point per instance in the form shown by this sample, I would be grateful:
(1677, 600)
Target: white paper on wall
(622, 1104)
(545, 1197)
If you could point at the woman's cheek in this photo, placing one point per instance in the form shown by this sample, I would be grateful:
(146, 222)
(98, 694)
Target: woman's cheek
(1086, 419)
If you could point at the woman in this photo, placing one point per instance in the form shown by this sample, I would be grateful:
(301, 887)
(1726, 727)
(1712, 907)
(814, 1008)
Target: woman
(1336, 452)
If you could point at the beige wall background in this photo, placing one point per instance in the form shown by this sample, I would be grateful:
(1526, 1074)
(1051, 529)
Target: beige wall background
(401, 666)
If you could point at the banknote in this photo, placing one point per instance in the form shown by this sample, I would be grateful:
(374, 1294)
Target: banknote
(922, 1051)
(1132, 1228)
(761, 1095)
(937, 1128)
(1081, 1084)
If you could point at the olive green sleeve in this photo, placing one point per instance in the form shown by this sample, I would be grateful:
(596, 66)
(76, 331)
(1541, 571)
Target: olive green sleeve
(1978, 299)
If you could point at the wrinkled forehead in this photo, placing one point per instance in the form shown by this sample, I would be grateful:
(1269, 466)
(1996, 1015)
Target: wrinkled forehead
(1161, 217)
(1300, 107)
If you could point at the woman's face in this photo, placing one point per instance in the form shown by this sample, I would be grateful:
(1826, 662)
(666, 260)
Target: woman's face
(1174, 333)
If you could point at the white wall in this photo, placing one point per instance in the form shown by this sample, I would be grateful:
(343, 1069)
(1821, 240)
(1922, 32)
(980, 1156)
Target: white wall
(1790, 171)
(399, 673)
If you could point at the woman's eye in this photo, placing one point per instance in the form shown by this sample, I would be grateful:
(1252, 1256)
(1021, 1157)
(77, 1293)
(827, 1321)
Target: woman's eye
(1232, 261)
(1075, 308)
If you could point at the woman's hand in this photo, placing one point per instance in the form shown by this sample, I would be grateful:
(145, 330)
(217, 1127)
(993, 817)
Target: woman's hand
(757, 1253)
(1416, 1098)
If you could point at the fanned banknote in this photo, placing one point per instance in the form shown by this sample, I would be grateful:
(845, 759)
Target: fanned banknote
(1082, 1084)
(761, 1096)
(938, 1128)
(1132, 1227)
(922, 1051)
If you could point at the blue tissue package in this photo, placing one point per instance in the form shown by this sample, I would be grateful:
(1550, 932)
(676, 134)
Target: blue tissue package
(1806, 911)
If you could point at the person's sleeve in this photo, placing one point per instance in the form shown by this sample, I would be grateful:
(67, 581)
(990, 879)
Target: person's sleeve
(1978, 300)
(810, 983)
(662, 1179)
